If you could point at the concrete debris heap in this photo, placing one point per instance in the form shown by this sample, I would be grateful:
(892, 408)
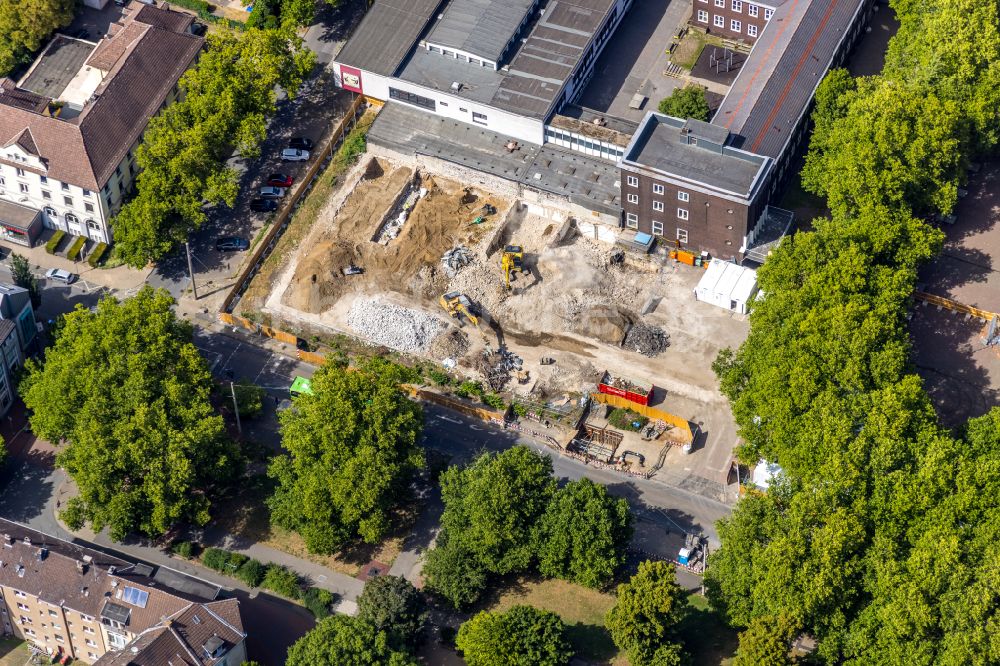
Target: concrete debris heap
(456, 259)
(392, 325)
(647, 340)
(497, 368)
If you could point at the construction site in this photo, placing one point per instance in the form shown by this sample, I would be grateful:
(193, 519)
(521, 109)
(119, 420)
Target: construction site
(528, 305)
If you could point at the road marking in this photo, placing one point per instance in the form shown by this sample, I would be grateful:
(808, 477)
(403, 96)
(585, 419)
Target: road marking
(231, 354)
(475, 427)
(263, 366)
(451, 420)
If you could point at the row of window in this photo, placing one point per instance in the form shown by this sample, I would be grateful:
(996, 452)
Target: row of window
(737, 6)
(67, 201)
(410, 98)
(461, 56)
(632, 222)
(734, 24)
(633, 181)
(579, 143)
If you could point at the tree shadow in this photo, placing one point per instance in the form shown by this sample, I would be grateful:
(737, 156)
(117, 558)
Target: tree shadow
(28, 486)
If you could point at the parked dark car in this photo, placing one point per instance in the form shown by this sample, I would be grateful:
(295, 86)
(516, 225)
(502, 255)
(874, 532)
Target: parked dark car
(231, 244)
(263, 205)
(280, 180)
(301, 143)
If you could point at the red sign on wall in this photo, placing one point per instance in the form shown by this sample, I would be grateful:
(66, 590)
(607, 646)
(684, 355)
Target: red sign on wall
(350, 79)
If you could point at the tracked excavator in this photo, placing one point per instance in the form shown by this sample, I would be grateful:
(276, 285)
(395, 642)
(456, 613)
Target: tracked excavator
(458, 305)
(512, 263)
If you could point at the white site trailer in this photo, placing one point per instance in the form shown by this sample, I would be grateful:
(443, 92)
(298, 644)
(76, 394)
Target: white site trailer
(727, 285)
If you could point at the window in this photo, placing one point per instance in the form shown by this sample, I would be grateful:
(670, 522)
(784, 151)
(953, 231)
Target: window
(633, 181)
(738, 6)
(753, 10)
(68, 201)
(92, 655)
(46, 194)
(91, 643)
(86, 618)
(657, 228)
(683, 196)
(65, 187)
(22, 606)
(735, 25)
(135, 596)
(410, 98)
(106, 188)
(20, 172)
(682, 213)
(87, 193)
(682, 235)
(751, 30)
(479, 117)
(20, 595)
(117, 641)
(118, 170)
(702, 16)
(720, 21)
(51, 212)
(60, 638)
(72, 219)
(53, 613)
(88, 630)
(89, 207)
(633, 198)
(29, 632)
(43, 179)
(25, 620)
(93, 225)
(720, 3)
(434, 49)
(657, 188)
(768, 13)
(658, 206)
(631, 220)
(23, 187)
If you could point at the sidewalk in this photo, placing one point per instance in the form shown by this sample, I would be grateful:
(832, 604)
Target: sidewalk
(121, 278)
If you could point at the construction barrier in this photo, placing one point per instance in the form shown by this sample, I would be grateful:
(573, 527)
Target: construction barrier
(260, 329)
(312, 358)
(954, 306)
(283, 217)
(456, 405)
(680, 426)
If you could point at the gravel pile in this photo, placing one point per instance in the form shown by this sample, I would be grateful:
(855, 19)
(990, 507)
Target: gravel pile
(393, 326)
(647, 340)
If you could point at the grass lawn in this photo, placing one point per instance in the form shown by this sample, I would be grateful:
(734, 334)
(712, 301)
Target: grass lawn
(689, 49)
(706, 636)
(13, 652)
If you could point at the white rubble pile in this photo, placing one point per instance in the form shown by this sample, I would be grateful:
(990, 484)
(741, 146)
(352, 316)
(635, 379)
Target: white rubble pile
(394, 326)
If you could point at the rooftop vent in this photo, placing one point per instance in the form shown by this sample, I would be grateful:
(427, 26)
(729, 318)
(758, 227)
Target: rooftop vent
(27, 540)
(456, 86)
(42, 554)
(20, 571)
(8, 540)
(87, 559)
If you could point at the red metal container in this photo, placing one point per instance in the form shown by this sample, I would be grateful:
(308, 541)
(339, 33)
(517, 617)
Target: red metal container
(625, 388)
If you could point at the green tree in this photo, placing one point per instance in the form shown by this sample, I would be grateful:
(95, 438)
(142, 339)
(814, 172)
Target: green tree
(687, 102)
(393, 605)
(138, 434)
(645, 615)
(453, 572)
(583, 534)
(26, 24)
(340, 640)
(249, 399)
(490, 509)
(520, 636)
(20, 271)
(766, 642)
(228, 97)
(352, 451)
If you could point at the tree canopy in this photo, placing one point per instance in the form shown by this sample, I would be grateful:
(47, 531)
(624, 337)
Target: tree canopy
(340, 640)
(20, 271)
(391, 604)
(227, 100)
(686, 102)
(880, 539)
(646, 612)
(491, 508)
(583, 534)
(125, 395)
(26, 24)
(352, 451)
(520, 636)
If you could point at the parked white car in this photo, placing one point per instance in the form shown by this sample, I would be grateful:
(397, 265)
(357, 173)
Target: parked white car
(271, 192)
(59, 275)
(294, 155)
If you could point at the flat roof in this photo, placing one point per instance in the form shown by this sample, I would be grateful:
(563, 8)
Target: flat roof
(777, 82)
(586, 181)
(17, 215)
(387, 34)
(57, 66)
(539, 71)
(658, 145)
(481, 27)
(434, 70)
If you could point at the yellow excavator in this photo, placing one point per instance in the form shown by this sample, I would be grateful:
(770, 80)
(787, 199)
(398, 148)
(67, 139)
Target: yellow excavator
(512, 262)
(457, 304)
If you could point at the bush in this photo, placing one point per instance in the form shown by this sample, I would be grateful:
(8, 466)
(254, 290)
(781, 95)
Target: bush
(236, 560)
(318, 601)
(494, 401)
(57, 238)
(519, 410)
(73, 515)
(183, 549)
(74, 250)
(215, 558)
(95, 257)
(626, 419)
(281, 581)
(469, 389)
(251, 573)
(439, 378)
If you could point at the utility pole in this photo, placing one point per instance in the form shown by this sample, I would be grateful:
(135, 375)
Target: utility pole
(236, 407)
(194, 287)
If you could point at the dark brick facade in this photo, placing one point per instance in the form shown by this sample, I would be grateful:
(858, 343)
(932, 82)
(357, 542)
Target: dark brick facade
(714, 224)
(709, 14)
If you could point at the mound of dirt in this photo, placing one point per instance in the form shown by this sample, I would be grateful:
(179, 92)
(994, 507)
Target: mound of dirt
(602, 322)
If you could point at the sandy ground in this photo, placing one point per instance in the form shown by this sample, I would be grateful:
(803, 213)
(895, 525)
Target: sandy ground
(961, 374)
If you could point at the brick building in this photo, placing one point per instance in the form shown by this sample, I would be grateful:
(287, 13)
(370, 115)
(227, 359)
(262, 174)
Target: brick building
(67, 600)
(735, 19)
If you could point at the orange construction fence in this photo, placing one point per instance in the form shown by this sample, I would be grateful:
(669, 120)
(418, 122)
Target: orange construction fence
(680, 426)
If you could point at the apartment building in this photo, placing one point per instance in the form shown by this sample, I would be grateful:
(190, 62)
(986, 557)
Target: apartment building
(734, 19)
(70, 126)
(66, 600)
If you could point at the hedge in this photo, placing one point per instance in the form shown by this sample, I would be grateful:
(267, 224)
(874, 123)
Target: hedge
(318, 601)
(251, 573)
(183, 548)
(215, 558)
(282, 581)
(57, 238)
(74, 250)
(95, 257)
